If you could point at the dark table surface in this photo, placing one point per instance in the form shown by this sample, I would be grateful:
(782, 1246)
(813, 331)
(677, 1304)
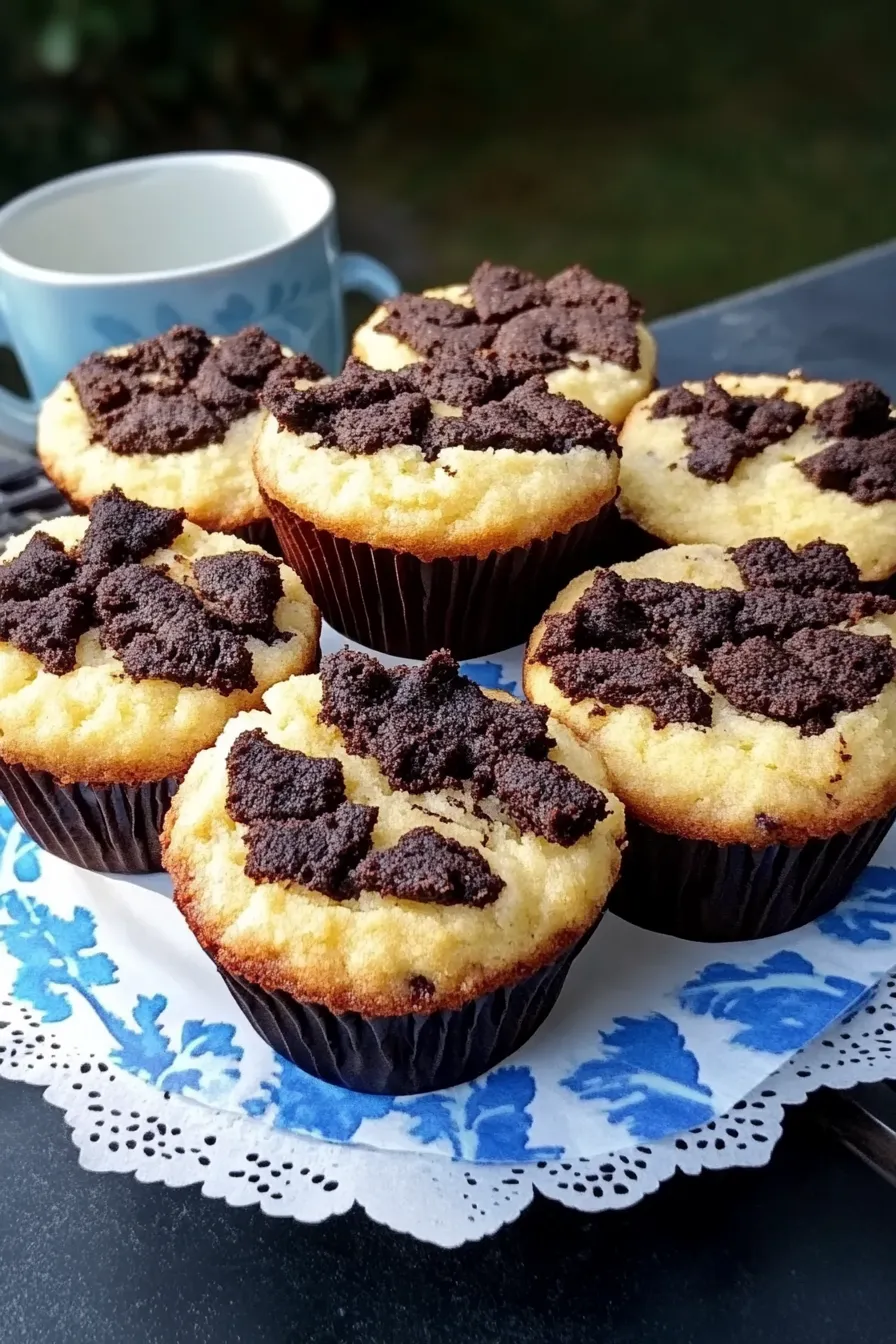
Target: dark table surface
(801, 1250)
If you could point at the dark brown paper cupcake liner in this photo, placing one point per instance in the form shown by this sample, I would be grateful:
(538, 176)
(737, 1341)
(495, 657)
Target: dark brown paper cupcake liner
(109, 828)
(717, 893)
(415, 1052)
(397, 604)
(260, 533)
(623, 539)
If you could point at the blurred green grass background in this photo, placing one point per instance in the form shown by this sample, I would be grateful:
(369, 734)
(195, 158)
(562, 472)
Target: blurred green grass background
(686, 150)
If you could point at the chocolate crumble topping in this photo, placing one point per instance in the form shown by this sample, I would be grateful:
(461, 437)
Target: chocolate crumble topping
(266, 782)
(427, 727)
(124, 530)
(159, 628)
(865, 469)
(806, 681)
(42, 565)
(768, 562)
(319, 854)
(723, 430)
(178, 391)
(549, 799)
(860, 411)
(241, 588)
(425, 865)
(530, 323)
(770, 649)
(633, 677)
(364, 410)
(430, 728)
(48, 626)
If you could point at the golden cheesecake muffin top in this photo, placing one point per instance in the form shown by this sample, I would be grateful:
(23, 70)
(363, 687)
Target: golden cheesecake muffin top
(743, 456)
(451, 457)
(128, 639)
(584, 334)
(741, 696)
(170, 421)
(391, 840)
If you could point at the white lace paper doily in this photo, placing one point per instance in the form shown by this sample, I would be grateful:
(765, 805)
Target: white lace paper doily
(122, 1124)
(96, 1030)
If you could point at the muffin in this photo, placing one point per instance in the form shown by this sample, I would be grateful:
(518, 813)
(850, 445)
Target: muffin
(440, 506)
(392, 869)
(583, 334)
(127, 640)
(747, 456)
(744, 705)
(169, 421)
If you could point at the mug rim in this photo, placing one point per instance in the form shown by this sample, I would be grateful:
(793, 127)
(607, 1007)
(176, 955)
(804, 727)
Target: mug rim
(60, 186)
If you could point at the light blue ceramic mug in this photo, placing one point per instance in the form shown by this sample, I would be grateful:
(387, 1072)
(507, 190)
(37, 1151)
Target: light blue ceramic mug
(221, 240)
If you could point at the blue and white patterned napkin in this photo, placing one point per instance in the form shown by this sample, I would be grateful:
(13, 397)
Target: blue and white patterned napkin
(650, 1037)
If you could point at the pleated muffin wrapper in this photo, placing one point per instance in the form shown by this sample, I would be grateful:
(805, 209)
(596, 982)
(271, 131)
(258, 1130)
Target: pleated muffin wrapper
(704, 892)
(260, 533)
(108, 828)
(396, 603)
(411, 1053)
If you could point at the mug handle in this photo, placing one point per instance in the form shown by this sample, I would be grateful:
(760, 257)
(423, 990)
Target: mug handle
(18, 415)
(365, 275)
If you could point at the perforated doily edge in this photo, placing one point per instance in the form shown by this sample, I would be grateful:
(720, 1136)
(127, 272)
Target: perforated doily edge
(181, 1142)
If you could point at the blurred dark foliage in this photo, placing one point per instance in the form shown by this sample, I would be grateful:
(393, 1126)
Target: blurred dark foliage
(686, 149)
(86, 81)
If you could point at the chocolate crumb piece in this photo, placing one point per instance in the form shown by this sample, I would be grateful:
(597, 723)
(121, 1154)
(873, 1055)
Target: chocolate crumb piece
(39, 567)
(772, 421)
(805, 682)
(102, 386)
(248, 357)
(724, 429)
(124, 530)
(864, 469)
(576, 287)
(241, 588)
(48, 626)
(768, 562)
(369, 429)
(633, 677)
(627, 641)
(678, 400)
(177, 354)
(427, 727)
(430, 326)
(464, 381)
(159, 628)
(685, 619)
(531, 325)
(219, 394)
(425, 865)
(267, 782)
(860, 411)
(767, 824)
(548, 799)
(421, 988)
(778, 613)
(716, 448)
(365, 411)
(319, 854)
(160, 423)
(178, 391)
(500, 292)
